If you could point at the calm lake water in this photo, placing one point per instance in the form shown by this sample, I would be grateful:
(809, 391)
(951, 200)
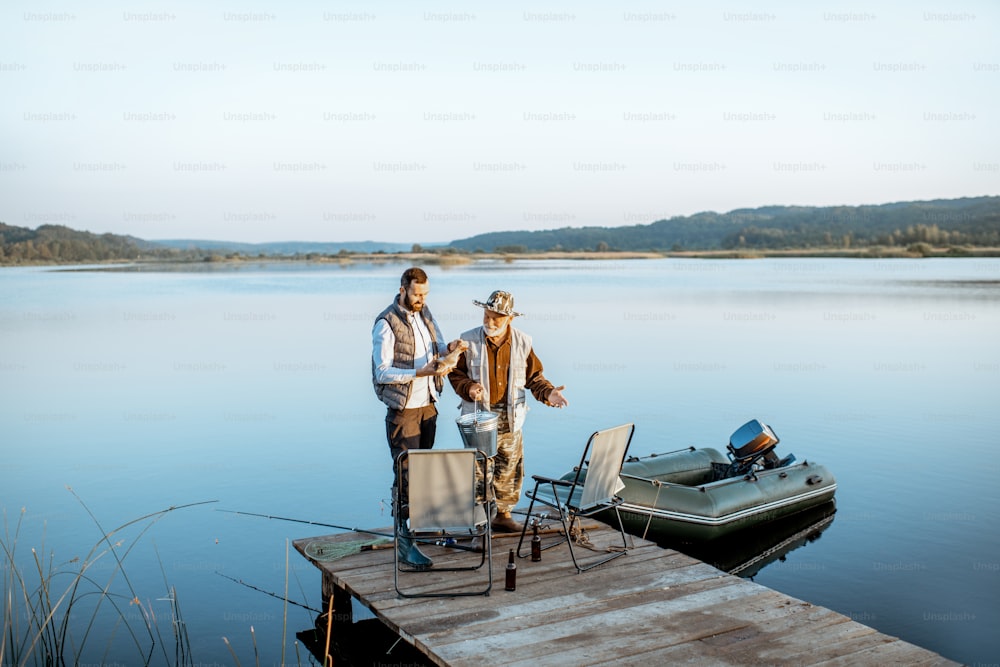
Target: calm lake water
(251, 386)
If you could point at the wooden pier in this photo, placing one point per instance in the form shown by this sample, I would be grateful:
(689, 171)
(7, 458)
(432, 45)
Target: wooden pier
(653, 606)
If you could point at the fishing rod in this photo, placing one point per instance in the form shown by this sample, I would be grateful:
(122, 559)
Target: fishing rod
(441, 543)
(311, 523)
(274, 595)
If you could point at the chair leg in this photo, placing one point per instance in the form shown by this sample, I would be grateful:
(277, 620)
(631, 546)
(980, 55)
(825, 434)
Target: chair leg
(568, 528)
(524, 528)
(610, 557)
(621, 529)
(524, 531)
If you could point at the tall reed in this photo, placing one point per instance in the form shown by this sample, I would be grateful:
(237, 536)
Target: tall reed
(46, 622)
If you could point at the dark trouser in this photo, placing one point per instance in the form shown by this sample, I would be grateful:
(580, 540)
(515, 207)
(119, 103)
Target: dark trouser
(407, 429)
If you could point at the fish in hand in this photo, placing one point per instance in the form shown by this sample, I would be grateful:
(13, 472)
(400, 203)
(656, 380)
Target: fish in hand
(446, 363)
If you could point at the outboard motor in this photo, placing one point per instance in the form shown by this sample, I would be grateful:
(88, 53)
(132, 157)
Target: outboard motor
(754, 443)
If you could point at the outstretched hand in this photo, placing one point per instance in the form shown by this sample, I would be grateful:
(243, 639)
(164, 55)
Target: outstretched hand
(556, 399)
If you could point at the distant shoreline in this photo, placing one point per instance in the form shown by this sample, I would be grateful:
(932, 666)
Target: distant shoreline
(458, 259)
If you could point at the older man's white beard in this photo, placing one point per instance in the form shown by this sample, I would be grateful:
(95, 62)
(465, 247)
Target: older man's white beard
(493, 332)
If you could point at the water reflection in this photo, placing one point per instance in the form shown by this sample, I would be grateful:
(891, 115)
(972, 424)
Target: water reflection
(746, 552)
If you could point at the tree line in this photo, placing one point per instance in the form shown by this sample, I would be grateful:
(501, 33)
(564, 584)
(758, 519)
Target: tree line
(969, 222)
(917, 226)
(51, 243)
(60, 244)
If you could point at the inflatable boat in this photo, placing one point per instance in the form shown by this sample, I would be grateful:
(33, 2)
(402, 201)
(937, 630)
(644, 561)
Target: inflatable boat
(695, 495)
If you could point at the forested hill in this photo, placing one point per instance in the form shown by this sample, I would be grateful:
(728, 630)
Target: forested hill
(944, 222)
(56, 243)
(62, 245)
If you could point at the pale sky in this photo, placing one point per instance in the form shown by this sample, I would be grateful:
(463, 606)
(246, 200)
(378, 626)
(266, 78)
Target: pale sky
(426, 122)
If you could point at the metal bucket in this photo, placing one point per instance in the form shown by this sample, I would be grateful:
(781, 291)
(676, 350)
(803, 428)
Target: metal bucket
(479, 431)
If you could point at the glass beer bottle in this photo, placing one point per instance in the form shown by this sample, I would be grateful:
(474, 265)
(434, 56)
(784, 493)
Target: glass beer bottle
(511, 579)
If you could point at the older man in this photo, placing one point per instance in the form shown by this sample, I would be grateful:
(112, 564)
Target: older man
(498, 369)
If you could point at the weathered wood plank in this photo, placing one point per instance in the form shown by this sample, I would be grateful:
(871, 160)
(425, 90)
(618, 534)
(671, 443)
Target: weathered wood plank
(896, 652)
(613, 624)
(651, 606)
(635, 574)
(378, 588)
(531, 618)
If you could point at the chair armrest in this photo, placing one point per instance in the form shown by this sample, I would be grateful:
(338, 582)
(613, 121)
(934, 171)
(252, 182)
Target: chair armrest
(549, 480)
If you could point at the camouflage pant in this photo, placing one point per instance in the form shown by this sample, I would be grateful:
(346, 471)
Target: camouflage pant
(508, 464)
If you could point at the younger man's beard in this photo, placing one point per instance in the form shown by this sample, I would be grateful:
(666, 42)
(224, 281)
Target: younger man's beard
(409, 304)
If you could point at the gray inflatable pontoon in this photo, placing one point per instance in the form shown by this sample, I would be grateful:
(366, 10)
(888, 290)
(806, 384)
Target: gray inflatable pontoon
(694, 495)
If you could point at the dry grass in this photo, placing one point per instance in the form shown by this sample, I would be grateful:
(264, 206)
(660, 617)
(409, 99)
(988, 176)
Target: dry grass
(48, 622)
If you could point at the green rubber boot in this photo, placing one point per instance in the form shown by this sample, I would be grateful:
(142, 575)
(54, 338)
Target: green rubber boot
(410, 553)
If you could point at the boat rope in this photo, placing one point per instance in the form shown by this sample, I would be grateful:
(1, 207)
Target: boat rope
(649, 519)
(578, 534)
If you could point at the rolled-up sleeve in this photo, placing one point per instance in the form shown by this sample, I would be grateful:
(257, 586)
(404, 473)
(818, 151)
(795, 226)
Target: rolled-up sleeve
(383, 343)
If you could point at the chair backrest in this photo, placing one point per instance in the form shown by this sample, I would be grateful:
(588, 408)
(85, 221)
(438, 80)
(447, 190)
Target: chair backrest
(607, 450)
(442, 489)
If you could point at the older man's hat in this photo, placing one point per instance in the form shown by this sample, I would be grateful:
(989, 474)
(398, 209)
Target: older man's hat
(499, 302)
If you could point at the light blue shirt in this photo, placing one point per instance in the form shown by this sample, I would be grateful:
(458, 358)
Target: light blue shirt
(383, 343)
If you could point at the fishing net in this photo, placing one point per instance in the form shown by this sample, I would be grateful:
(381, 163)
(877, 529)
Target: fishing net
(325, 552)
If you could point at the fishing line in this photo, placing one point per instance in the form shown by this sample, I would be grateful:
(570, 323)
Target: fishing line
(274, 595)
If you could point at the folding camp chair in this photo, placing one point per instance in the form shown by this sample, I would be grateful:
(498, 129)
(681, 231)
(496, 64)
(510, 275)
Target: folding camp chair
(443, 508)
(591, 488)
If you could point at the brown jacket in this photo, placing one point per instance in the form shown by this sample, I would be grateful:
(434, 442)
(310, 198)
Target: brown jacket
(499, 361)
